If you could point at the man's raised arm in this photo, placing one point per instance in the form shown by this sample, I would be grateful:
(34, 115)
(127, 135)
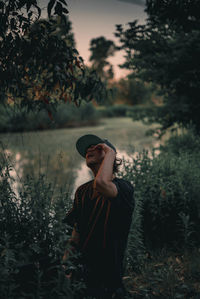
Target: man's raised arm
(103, 180)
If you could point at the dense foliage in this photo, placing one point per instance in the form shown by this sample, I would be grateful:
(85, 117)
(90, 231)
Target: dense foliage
(32, 238)
(167, 195)
(38, 63)
(166, 219)
(132, 91)
(101, 49)
(165, 51)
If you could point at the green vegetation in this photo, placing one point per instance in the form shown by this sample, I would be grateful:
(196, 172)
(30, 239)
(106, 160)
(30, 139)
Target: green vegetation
(115, 110)
(101, 49)
(162, 256)
(15, 119)
(166, 274)
(163, 252)
(133, 92)
(40, 65)
(168, 188)
(165, 51)
(33, 238)
(38, 169)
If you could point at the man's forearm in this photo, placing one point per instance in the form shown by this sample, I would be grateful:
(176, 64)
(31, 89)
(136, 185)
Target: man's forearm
(105, 172)
(103, 180)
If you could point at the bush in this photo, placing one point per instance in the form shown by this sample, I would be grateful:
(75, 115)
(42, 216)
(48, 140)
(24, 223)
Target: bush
(187, 142)
(167, 194)
(14, 119)
(68, 115)
(115, 111)
(32, 239)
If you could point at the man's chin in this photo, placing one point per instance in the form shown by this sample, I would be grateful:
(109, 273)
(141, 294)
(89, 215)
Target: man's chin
(91, 163)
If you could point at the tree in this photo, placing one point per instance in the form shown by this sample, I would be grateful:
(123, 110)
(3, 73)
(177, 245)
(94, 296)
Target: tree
(166, 51)
(133, 91)
(101, 49)
(38, 58)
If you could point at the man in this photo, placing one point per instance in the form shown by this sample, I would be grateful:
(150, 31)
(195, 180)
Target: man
(101, 218)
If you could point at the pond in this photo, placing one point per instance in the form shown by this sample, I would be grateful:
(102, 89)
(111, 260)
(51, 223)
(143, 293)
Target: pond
(53, 152)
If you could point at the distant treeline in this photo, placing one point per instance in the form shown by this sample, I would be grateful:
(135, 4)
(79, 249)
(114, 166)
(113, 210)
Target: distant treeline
(65, 116)
(15, 119)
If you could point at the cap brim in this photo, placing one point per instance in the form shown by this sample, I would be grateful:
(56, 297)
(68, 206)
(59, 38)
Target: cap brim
(86, 141)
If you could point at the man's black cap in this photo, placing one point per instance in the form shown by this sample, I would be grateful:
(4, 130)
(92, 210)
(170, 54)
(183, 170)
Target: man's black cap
(84, 142)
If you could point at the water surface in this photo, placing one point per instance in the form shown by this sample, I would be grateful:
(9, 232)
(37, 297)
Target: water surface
(53, 152)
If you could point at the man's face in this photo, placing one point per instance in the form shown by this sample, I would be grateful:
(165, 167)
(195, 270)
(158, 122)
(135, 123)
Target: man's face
(94, 155)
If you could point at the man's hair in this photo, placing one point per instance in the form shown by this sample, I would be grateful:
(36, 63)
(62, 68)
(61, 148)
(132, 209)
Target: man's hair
(116, 165)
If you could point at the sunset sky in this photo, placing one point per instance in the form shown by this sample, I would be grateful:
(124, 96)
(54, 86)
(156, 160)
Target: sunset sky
(95, 18)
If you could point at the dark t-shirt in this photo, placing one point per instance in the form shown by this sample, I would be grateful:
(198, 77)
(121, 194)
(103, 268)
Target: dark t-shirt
(103, 224)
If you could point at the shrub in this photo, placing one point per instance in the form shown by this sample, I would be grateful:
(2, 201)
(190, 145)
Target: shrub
(167, 194)
(187, 142)
(14, 119)
(32, 239)
(68, 115)
(115, 111)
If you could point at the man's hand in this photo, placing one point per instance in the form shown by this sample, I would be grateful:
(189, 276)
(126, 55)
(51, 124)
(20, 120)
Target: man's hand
(105, 148)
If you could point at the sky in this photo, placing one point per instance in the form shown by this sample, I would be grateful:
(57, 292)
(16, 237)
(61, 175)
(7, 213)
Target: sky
(95, 18)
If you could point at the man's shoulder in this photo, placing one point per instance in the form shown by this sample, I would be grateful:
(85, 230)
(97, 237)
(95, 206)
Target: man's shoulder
(84, 186)
(125, 192)
(124, 183)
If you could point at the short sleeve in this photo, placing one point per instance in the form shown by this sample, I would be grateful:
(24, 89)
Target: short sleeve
(123, 206)
(72, 216)
(125, 196)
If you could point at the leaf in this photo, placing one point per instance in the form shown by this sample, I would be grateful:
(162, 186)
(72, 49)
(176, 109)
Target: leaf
(63, 2)
(39, 10)
(12, 23)
(65, 10)
(71, 68)
(50, 6)
(30, 14)
(64, 19)
(28, 6)
(78, 64)
(21, 3)
(58, 9)
(1, 5)
(75, 51)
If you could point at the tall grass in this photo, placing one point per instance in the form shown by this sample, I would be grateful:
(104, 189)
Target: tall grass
(167, 195)
(16, 119)
(166, 219)
(32, 239)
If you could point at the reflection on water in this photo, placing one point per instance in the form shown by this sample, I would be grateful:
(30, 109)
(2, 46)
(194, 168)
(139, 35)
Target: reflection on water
(81, 175)
(53, 152)
(15, 165)
(58, 169)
